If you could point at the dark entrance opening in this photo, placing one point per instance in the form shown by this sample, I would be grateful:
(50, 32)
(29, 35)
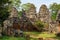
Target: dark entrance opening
(59, 22)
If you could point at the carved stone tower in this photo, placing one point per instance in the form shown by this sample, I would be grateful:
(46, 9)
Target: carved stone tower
(44, 14)
(31, 12)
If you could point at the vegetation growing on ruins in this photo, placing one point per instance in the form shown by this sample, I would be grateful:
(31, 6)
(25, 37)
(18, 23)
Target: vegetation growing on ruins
(26, 23)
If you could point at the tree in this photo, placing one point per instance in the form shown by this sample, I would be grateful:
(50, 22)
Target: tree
(27, 6)
(4, 10)
(16, 4)
(20, 13)
(40, 24)
(54, 9)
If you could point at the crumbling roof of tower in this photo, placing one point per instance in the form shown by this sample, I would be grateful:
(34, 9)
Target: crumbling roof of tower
(43, 7)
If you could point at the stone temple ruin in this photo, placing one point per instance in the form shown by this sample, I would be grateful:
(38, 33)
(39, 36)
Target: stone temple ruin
(26, 22)
(31, 13)
(12, 24)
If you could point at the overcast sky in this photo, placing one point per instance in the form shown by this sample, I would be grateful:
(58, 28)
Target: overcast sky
(38, 3)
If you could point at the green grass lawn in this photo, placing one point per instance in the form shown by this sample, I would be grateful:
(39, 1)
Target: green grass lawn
(35, 34)
(43, 34)
(15, 38)
(12, 38)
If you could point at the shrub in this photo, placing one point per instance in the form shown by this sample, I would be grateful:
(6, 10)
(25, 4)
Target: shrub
(40, 25)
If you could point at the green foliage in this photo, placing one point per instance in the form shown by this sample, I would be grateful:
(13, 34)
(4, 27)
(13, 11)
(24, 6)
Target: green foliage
(15, 3)
(20, 14)
(5, 6)
(27, 6)
(54, 16)
(39, 24)
(4, 10)
(2, 2)
(12, 38)
(54, 9)
(42, 34)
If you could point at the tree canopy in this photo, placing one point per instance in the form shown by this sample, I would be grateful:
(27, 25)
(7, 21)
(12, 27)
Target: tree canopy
(54, 9)
(4, 10)
(5, 6)
(15, 3)
(27, 6)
